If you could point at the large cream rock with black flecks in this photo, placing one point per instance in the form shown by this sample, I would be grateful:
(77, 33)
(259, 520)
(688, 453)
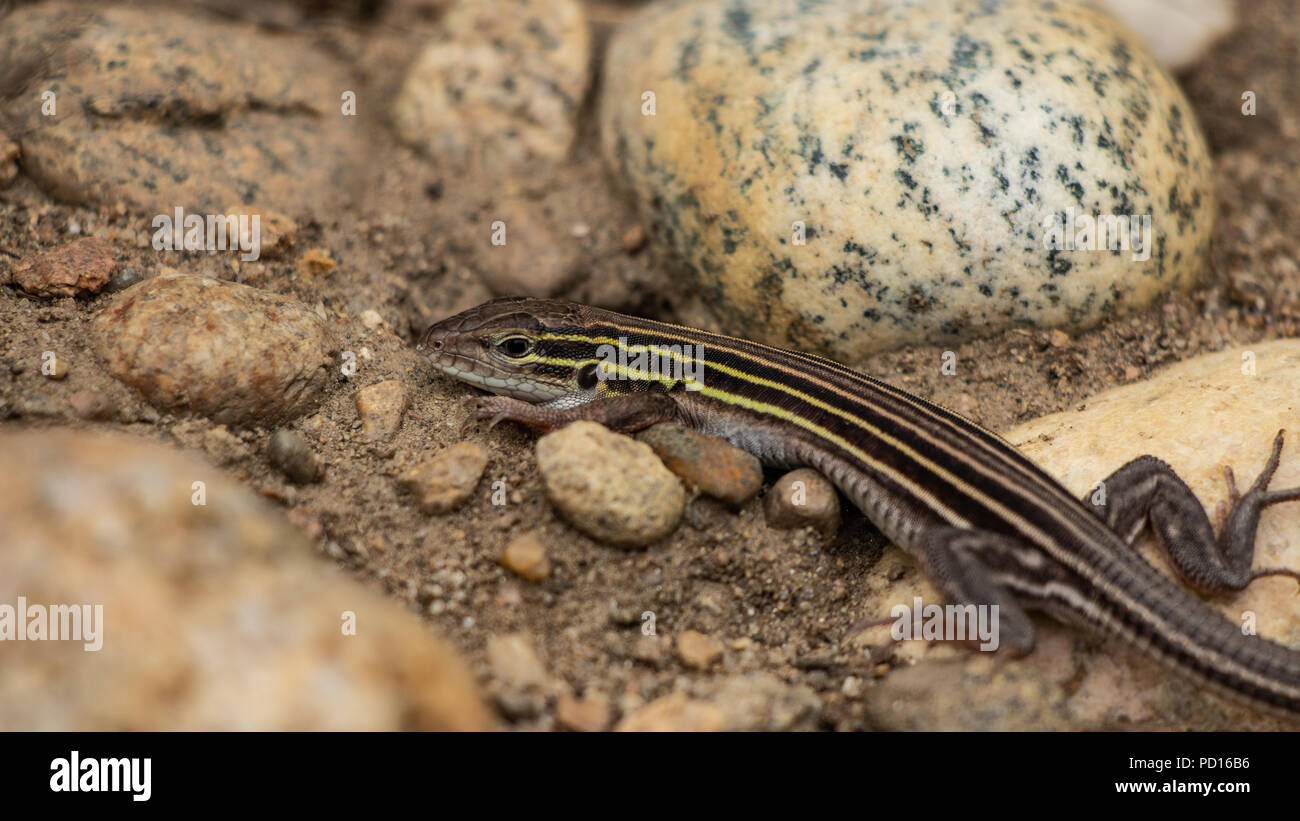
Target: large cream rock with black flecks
(1217, 410)
(852, 176)
(610, 486)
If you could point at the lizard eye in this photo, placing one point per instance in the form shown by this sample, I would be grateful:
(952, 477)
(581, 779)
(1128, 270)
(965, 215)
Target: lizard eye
(587, 376)
(515, 346)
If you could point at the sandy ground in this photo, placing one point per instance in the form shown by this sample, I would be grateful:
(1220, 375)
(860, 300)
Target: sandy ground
(782, 602)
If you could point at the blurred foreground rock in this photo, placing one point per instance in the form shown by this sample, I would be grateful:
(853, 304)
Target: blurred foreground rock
(216, 615)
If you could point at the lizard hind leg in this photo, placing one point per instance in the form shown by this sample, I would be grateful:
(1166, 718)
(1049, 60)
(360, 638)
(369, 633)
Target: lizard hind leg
(1148, 491)
(986, 570)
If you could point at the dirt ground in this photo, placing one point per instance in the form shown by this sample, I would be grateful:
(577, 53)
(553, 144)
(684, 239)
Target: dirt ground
(408, 245)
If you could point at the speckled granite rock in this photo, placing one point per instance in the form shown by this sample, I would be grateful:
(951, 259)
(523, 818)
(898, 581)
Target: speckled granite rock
(216, 616)
(922, 144)
(237, 354)
(158, 109)
(501, 84)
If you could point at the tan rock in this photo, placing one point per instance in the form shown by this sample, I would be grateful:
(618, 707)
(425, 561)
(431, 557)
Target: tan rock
(698, 650)
(674, 713)
(803, 498)
(762, 702)
(501, 84)
(525, 556)
(275, 231)
(609, 486)
(154, 111)
(380, 407)
(83, 266)
(446, 481)
(1217, 410)
(521, 685)
(237, 354)
(216, 614)
(585, 715)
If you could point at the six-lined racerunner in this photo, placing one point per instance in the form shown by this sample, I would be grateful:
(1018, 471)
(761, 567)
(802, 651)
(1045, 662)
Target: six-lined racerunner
(987, 525)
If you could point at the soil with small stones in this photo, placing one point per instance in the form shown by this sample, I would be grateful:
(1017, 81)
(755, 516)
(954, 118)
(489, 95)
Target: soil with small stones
(408, 247)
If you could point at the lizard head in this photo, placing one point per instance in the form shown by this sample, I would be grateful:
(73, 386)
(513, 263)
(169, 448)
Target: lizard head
(528, 349)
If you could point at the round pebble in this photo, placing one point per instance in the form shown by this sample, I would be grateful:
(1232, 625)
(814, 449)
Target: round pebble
(525, 556)
(380, 408)
(237, 354)
(291, 454)
(803, 498)
(446, 481)
(610, 486)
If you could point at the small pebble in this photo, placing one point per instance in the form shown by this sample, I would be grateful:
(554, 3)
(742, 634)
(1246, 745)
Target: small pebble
(586, 715)
(713, 466)
(60, 370)
(289, 451)
(634, 239)
(525, 556)
(521, 683)
(447, 480)
(123, 279)
(91, 405)
(801, 498)
(275, 231)
(698, 650)
(79, 267)
(380, 407)
(674, 713)
(316, 261)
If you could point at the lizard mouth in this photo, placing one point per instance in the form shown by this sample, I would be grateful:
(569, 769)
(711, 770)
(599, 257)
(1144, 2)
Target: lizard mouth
(443, 350)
